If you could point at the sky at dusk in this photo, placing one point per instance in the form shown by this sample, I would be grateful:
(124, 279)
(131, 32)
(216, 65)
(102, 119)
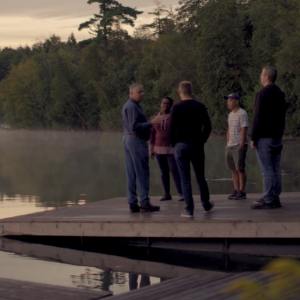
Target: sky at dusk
(25, 22)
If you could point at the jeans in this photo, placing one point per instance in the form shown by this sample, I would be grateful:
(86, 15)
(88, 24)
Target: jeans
(184, 155)
(137, 169)
(166, 164)
(269, 154)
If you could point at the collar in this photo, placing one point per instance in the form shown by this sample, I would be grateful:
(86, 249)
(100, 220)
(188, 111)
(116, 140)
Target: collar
(131, 100)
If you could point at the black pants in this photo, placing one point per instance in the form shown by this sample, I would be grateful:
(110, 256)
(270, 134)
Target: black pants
(185, 155)
(166, 164)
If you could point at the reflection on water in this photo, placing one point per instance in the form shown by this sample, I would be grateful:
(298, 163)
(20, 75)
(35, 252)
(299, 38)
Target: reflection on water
(25, 268)
(65, 168)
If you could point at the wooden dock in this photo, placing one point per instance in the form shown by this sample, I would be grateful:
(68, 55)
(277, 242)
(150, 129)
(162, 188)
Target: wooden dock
(111, 218)
(183, 288)
(104, 261)
(23, 290)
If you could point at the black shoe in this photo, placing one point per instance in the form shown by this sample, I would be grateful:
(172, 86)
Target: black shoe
(165, 197)
(186, 214)
(181, 197)
(275, 203)
(134, 208)
(240, 195)
(149, 208)
(232, 196)
(261, 204)
(210, 207)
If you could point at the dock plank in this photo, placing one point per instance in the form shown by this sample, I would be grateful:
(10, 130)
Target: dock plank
(194, 288)
(191, 287)
(23, 290)
(111, 218)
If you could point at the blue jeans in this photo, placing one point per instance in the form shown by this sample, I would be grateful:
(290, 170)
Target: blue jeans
(185, 155)
(269, 154)
(137, 169)
(166, 164)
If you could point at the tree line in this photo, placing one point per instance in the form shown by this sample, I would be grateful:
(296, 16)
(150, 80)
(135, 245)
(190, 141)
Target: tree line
(218, 45)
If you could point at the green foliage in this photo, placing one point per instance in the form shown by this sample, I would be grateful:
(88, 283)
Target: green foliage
(218, 45)
(283, 283)
(160, 21)
(222, 57)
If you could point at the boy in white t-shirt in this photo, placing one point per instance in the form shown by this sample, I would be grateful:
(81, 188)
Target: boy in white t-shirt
(237, 145)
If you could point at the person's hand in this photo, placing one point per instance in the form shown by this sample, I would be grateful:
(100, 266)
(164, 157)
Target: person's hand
(151, 155)
(156, 120)
(252, 145)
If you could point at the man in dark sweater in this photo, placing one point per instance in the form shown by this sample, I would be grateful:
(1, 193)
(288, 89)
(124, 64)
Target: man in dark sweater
(190, 128)
(266, 137)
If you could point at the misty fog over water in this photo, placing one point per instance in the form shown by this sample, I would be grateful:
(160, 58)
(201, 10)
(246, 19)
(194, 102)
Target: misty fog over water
(59, 168)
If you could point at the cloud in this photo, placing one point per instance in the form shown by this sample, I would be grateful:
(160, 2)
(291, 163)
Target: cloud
(41, 9)
(26, 21)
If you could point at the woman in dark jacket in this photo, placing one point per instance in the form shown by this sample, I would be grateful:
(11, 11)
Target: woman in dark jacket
(160, 147)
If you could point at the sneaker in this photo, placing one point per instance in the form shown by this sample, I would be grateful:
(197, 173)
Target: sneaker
(261, 204)
(232, 196)
(240, 195)
(181, 197)
(134, 208)
(165, 197)
(275, 203)
(209, 208)
(187, 214)
(149, 208)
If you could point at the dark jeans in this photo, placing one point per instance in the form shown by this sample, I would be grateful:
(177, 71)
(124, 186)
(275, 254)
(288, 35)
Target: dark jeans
(166, 164)
(185, 155)
(269, 155)
(137, 169)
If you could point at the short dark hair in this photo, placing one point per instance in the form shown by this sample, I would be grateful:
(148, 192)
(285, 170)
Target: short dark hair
(134, 85)
(272, 73)
(186, 87)
(168, 98)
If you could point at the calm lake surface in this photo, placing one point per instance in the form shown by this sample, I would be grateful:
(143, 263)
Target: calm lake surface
(43, 170)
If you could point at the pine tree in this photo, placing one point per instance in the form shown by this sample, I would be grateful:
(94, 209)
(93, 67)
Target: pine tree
(111, 13)
(159, 21)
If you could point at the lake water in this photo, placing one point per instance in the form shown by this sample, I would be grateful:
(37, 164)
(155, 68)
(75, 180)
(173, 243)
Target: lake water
(43, 170)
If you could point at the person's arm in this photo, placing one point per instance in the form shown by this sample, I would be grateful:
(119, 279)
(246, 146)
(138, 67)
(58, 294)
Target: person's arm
(132, 114)
(255, 120)
(206, 126)
(243, 137)
(152, 142)
(227, 136)
(244, 123)
(172, 126)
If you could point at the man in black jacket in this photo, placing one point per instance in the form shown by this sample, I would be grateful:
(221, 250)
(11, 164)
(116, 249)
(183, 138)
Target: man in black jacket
(190, 128)
(266, 137)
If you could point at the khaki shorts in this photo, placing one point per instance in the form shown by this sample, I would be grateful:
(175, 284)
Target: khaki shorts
(235, 157)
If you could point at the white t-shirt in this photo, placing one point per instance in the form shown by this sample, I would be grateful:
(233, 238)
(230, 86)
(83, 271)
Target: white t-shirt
(236, 121)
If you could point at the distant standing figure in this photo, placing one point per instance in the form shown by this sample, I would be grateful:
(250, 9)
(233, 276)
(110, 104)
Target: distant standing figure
(266, 137)
(237, 145)
(190, 128)
(160, 146)
(136, 134)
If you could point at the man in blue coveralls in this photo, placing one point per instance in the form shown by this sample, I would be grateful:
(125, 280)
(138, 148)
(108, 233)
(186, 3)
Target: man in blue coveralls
(136, 134)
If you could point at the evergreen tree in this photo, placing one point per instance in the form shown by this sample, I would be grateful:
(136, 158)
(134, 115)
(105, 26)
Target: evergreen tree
(223, 57)
(188, 14)
(111, 13)
(160, 21)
